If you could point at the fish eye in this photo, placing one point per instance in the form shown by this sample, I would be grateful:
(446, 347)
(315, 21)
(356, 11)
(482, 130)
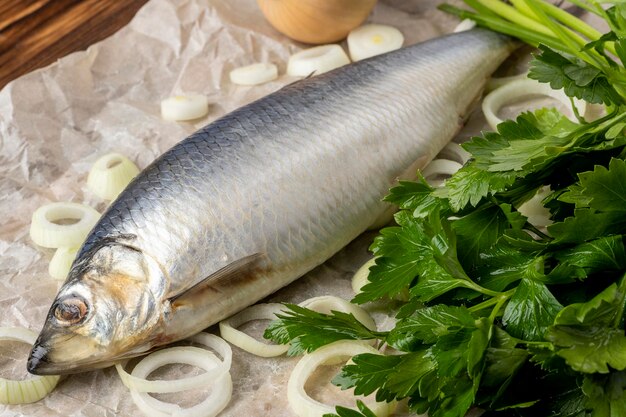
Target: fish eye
(70, 310)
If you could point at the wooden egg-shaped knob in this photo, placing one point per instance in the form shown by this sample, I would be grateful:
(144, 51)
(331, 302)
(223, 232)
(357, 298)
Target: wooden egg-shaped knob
(316, 21)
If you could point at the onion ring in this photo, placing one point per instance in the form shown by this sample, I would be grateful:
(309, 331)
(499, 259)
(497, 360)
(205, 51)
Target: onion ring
(327, 303)
(229, 332)
(110, 174)
(522, 88)
(139, 384)
(305, 406)
(45, 232)
(32, 389)
(441, 167)
(213, 404)
(359, 279)
(454, 152)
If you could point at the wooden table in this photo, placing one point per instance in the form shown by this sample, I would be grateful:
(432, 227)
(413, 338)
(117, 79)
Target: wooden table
(35, 33)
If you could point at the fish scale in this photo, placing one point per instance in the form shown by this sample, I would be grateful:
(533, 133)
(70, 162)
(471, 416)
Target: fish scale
(289, 179)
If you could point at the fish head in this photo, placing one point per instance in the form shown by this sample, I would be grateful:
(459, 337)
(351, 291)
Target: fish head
(108, 309)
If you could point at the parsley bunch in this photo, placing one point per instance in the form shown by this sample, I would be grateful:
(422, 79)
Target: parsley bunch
(502, 315)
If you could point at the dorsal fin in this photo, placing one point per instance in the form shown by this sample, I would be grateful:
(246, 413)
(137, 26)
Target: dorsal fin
(240, 267)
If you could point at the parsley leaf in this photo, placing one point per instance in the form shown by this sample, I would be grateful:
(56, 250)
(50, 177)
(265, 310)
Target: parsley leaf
(606, 394)
(416, 196)
(530, 311)
(602, 254)
(394, 377)
(427, 325)
(606, 188)
(308, 330)
(363, 411)
(587, 333)
(577, 78)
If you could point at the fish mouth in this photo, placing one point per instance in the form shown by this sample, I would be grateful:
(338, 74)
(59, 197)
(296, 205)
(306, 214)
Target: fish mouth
(40, 363)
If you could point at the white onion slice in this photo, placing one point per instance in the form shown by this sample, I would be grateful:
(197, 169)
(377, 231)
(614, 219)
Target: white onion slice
(522, 88)
(317, 60)
(61, 262)
(454, 152)
(110, 174)
(465, 24)
(32, 389)
(305, 406)
(140, 384)
(327, 303)
(371, 40)
(359, 279)
(216, 401)
(536, 213)
(254, 74)
(46, 232)
(497, 82)
(439, 167)
(187, 107)
(246, 342)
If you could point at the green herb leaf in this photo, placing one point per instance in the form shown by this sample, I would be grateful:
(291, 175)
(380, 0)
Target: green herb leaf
(606, 188)
(427, 325)
(606, 394)
(530, 311)
(587, 333)
(603, 254)
(577, 78)
(415, 196)
(308, 330)
(363, 411)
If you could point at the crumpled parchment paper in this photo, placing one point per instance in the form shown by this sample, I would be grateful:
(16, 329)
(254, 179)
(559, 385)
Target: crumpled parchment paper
(55, 122)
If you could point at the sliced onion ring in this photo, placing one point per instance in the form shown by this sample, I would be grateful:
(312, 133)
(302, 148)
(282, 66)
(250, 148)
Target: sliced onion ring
(254, 74)
(497, 82)
(61, 262)
(533, 209)
(327, 303)
(184, 107)
(522, 88)
(110, 174)
(139, 384)
(441, 167)
(454, 152)
(305, 406)
(465, 24)
(359, 279)
(228, 330)
(372, 39)
(317, 60)
(32, 389)
(216, 401)
(45, 232)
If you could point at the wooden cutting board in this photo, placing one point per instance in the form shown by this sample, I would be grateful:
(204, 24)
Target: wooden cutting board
(35, 33)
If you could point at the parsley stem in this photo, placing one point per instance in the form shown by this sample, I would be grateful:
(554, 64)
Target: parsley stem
(546, 345)
(492, 301)
(580, 119)
(473, 286)
(510, 13)
(500, 302)
(503, 26)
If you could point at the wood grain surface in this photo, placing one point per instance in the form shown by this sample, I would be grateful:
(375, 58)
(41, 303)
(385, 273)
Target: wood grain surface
(35, 33)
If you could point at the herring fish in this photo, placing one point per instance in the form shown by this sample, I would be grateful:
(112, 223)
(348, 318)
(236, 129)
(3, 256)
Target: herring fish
(252, 201)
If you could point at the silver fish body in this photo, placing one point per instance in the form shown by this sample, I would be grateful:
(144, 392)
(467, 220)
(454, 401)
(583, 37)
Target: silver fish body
(272, 189)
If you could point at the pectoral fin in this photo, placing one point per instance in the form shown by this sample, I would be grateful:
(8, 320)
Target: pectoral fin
(243, 268)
